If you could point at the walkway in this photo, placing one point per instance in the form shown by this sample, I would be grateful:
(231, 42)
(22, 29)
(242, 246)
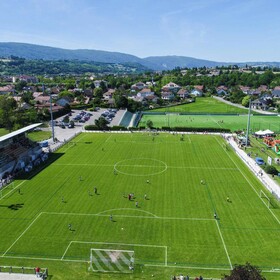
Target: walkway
(242, 107)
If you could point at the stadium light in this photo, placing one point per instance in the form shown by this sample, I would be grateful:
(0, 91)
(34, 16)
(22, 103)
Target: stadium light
(248, 123)
(51, 112)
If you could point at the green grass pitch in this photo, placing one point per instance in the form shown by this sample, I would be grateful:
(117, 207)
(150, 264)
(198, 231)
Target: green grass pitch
(173, 231)
(257, 122)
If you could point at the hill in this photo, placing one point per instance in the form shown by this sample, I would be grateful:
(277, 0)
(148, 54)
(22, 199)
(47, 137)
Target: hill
(31, 51)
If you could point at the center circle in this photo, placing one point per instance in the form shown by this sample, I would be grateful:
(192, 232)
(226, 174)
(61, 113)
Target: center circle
(140, 167)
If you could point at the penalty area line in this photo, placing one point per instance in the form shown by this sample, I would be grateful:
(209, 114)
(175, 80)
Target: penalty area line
(66, 251)
(221, 236)
(21, 234)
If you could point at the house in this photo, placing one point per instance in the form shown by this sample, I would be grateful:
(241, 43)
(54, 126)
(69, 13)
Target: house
(199, 87)
(171, 87)
(222, 90)
(197, 91)
(276, 92)
(145, 92)
(97, 83)
(167, 95)
(263, 88)
(151, 98)
(26, 78)
(138, 86)
(183, 93)
(254, 92)
(6, 89)
(66, 100)
(245, 90)
(42, 99)
(261, 103)
(136, 98)
(109, 94)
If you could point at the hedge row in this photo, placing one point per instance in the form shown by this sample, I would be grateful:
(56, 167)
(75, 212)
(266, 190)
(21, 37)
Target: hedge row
(166, 128)
(196, 129)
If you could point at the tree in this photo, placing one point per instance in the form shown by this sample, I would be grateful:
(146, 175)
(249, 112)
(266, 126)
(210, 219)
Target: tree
(270, 169)
(244, 272)
(101, 123)
(149, 124)
(246, 101)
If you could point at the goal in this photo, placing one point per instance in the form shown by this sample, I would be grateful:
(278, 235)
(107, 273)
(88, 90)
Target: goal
(265, 199)
(110, 260)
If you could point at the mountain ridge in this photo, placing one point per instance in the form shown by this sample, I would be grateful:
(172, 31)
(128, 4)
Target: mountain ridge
(33, 51)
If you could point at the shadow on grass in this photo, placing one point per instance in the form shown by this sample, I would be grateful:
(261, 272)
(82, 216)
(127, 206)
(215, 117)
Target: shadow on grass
(27, 176)
(15, 206)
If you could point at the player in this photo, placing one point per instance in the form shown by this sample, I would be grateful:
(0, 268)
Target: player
(202, 182)
(136, 204)
(145, 196)
(215, 215)
(111, 218)
(228, 200)
(95, 190)
(80, 178)
(62, 199)
(70, 227)
(148, 181)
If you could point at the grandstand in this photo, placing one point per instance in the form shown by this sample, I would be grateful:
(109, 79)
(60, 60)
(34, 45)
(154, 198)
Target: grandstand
(18, 153)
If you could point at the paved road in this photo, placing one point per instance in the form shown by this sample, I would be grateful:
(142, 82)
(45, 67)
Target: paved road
(242, 107)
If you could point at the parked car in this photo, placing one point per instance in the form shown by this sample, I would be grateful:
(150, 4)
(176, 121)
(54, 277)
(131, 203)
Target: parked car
(260, 161)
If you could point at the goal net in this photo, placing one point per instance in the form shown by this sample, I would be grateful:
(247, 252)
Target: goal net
(109, 260)
(265, 198)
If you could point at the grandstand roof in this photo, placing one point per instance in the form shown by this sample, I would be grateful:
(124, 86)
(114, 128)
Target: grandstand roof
(19, 131)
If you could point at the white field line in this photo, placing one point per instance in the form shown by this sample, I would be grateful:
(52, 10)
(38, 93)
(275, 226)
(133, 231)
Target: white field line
(25, 182)
(250, 184)
(224, 245)
(21, 234)
(13, 189)
(189, 267)
(65, 149)
(108, 138)
(215, 121)
(66, 250)
(159, 166)
(43, 259)
(151, 265)
(130, 216)
(119, 209)
(116, 243)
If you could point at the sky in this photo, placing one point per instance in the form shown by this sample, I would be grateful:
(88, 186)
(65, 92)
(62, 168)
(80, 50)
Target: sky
(219, 30)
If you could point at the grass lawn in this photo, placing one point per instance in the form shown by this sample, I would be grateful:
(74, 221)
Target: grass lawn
(3, 131)
(171, 232)
(218, 121)
(39, 135)
(205, 105)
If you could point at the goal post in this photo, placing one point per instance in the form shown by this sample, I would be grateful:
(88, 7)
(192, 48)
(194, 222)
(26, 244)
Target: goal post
(110, 260)
(265, 198)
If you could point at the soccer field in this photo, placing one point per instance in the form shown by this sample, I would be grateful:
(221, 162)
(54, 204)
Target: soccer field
(232, 122)
(173, 229)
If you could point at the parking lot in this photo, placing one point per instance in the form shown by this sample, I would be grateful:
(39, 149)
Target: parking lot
(81, 118)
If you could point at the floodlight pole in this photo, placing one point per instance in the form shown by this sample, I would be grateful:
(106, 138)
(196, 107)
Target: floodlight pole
(51, 112)
(248, 123)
